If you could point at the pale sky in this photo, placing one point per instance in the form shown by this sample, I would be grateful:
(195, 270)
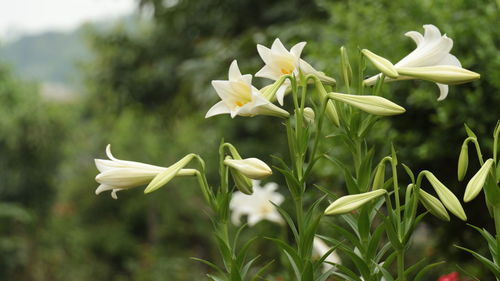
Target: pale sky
(34, 16)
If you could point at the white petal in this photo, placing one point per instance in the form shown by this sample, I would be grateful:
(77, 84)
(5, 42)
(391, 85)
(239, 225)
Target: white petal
(113, 193)
(247, 78)
(235, 217)
(443, 91)
(264, 53)
(306, 68)
(278, 47)
(280, 93)
(296, 50)
(234, 71)
(431, 32)
(274, 217)
(254, 219)
(267, 72)
(416, 36)
(223, 89)
(103, 187)
(218, 108)
(450, 60)
(108, 152)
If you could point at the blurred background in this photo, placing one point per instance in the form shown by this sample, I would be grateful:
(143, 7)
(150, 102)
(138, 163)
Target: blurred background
(77, 75)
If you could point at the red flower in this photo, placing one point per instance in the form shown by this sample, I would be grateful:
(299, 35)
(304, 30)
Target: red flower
(449, 277)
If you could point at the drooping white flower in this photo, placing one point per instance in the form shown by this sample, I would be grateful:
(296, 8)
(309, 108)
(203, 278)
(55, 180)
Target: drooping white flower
(320, 249)
(116, 174)
(433, 49)
(239, 97)
(279, 61)
(257, 206)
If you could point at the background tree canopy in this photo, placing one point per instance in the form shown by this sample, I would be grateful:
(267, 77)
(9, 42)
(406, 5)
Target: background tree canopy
(146, 89)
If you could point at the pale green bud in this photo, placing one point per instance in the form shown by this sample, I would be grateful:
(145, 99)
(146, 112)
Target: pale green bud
(348, 203)
(242, 182)
(168, 174)
(433, 205)
(476, 183)
(449, 199)
(250, 167)
(331, 112)
(372, 104)
(463, 161)
(379, 178)
(309, 115)
(345, 66)
(445, 74)
(382, 64)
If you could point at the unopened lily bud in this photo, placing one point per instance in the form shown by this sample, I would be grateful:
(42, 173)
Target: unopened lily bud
(382, 64)
(476, 183)
(463, 161)
(309, 115)
(372, 104)
(242, 182)
(345, 66)
(331, 112)
(433, 205)
(168, 174)
(379, 179)
(348, 203)
(445, 74)
(449, 200)
(251, 167)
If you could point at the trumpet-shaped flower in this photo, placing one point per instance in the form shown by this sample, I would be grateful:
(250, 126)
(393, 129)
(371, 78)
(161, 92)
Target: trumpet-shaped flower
(433, 49)
(257, 206)
(279, 61)
(116, 174)
(320, 249)
(239, 97)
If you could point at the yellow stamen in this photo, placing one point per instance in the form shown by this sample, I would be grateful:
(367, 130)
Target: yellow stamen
(285, 71)
(239, 103)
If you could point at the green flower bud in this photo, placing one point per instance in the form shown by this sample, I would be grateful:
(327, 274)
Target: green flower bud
(449, 200)
(382, 64)
(309, 115)
(348, 203)
(379, 179)
(433, 205)
(372, 104)
(476, 183)
(345, 66)
(164, 177)
(463, 161)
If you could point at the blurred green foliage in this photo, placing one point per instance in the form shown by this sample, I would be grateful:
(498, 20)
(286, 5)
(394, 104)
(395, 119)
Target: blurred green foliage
(146, 93)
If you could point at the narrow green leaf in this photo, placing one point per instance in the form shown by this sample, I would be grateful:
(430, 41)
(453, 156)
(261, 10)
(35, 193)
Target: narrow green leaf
(425, 269)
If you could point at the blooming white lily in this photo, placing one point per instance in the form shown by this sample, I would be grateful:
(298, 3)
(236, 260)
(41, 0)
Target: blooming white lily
(116, 174)
(279, 61)
(320, 249)
(257, 206)
(433, 49)
(239, 97)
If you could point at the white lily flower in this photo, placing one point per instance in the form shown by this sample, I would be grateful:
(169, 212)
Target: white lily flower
(117, 175)
(239, 97)
(279, 61)
(320, 249)
(433, 49)
(257, 206)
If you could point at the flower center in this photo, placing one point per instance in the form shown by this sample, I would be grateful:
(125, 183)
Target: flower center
(285, 71)
(239, 103)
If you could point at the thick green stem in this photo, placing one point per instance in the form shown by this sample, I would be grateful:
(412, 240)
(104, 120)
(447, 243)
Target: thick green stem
(401, 265)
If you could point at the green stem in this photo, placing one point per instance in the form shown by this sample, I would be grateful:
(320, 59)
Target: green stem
(401, 265)
(396, 195)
